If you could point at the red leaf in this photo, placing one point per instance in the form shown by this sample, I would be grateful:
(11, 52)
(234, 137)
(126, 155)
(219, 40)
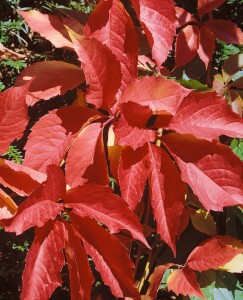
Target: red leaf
(205, 6)
(133, 173)
(4, 213)
(211, 165)
(159, 94)
(207, 116)
(184, 16)
(159, 23)
(80, 276)
(226, 31)
(184, 221)
(188, 40)
(54, 133)
(167, 202)
(86, 156)
(18, 178)
(134, 137)
(13, 115)
(41, 205)
(155, 280)
(162, 120)
(111, 25)
(135, 114)
(54, 188)
(110, 257)
(100, 203)
(49, 79)
(221, 249)
(147, 64)
(206, 45)
(44, 262)
(52, 27)
(102, 70)
(184, 282)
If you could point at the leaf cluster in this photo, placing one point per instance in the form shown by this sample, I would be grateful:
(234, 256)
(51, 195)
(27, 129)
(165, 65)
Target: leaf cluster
(159, 139)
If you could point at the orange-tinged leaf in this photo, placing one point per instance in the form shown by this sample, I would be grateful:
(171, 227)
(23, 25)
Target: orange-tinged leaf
(159, 94)
(101, 69)
(52, 27)
(231, 66)
(159, 23)
(235, 265)
(134, 137)
(226, 31)
(188, 40)
(7, 202)
(111, 25)
(206, 116)
(167, 201)
(49, 79)
(133, 172)
(54, 133)
(221, 249)
(237, 105)
(20, 179)
(44, 262)
(205, 6)
(155, 280)
(13, 115)
(80, 100)
(212, 170)
(40, 206)
(184, 282)
(109, 255)
(114, 153)
(100, 203)
(206, 45)
(80, 276)
(86, 156)
(219, 85)
(203, 221)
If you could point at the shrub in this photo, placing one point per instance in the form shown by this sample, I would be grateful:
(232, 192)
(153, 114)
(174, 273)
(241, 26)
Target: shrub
(139, 164)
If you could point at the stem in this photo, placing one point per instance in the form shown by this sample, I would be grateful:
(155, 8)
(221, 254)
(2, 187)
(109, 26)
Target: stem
(139, 251)
(19, 37)
(147, 212)
(208, 80)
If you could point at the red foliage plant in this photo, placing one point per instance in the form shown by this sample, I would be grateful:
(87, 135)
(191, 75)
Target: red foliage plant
(157, 140)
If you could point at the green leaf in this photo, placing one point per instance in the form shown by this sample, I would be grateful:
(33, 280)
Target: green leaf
(2, 86)
(217, 285)
(194, 85)
(14, 154)
(164, 280)
(237, 147)
(18, 64)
